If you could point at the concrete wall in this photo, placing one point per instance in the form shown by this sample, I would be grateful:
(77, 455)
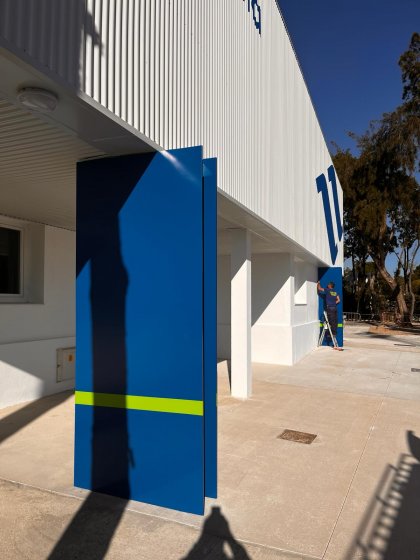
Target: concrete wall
(32, 331)
(284, 326)
(272, 286)
(304, 320)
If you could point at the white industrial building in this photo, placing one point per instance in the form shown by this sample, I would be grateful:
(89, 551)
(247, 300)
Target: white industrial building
(133, 76)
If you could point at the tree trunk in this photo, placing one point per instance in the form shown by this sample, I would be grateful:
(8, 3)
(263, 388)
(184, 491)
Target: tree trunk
(410, 281)
(404, 315)
(354, 288)
(412, 296)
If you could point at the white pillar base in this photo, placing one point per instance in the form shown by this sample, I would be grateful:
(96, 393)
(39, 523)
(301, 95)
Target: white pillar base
(241, 372)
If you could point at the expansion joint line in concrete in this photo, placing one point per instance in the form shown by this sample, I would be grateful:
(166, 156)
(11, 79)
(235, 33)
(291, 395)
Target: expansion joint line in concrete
(82, 498)
(372, 427)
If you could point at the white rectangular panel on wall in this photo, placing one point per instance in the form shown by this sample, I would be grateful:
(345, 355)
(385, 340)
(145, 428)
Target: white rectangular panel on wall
(66, 361)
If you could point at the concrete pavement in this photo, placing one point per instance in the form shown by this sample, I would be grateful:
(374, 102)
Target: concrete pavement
(353, 493)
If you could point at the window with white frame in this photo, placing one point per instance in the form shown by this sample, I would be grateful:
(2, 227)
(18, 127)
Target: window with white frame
(10, 261)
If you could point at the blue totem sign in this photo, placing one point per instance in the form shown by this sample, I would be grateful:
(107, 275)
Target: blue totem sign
(325, 276)
(210, 328)
(146, 241)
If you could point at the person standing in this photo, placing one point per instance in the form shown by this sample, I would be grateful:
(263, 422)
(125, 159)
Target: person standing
(331, 300)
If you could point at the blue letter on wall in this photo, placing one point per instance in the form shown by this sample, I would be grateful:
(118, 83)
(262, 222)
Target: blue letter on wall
(322, 186)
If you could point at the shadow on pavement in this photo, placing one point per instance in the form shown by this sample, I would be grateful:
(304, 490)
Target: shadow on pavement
(389, 529)
(216, 541)
(399, 339)
(11, 424)
(91, 530)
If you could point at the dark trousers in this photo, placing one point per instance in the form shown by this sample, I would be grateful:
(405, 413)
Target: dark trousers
(332, 319)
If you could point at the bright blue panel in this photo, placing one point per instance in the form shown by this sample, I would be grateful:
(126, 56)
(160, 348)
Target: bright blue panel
(140, 324)
(326, 275)
(210, 325)
(157, 449)
(161, 246)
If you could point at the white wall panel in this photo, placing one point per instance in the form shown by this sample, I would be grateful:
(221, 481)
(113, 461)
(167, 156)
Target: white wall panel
(188, 72)
(31, 333)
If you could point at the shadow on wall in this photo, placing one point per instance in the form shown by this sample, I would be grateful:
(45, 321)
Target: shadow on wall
(390, 527)
(226, 366)
(61, 24)
(270, 273)
(268, 279)
(29, 371)
(217, 541)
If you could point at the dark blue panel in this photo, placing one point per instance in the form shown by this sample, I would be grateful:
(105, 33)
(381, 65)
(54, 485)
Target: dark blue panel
(145, 241)
(210, 325)
(84, 363)
(140, 322)
(103, 187)
(160, 448)
(333, 180)
(322, 186)
(326, 275)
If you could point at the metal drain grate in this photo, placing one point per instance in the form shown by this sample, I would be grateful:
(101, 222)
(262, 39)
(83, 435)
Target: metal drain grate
(298, 437)
(415, 370)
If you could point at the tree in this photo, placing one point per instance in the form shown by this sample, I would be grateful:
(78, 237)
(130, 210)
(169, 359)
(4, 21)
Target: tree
(410, 66)
(407, 223)
(381, 193)
(355, 247)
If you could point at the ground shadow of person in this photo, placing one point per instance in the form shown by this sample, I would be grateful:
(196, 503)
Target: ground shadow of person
(215, 538)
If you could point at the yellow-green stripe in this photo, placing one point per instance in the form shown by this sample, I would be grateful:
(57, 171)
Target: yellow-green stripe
(339, 324)
(132, 402)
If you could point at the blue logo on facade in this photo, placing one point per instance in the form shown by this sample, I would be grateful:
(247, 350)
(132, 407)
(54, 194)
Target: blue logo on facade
(255, 8)
(322, 186)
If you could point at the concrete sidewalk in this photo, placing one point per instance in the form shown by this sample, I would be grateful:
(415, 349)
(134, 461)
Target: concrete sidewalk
(353, 493)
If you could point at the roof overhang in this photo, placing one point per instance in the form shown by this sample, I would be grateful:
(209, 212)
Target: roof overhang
(76, 113)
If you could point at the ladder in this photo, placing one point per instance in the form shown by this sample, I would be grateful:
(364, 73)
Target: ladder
(326, 326)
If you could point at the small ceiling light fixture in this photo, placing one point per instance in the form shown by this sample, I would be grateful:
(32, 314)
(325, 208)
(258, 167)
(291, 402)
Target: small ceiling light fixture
(37, 99)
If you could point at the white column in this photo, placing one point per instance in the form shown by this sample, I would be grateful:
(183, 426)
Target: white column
(241, 373)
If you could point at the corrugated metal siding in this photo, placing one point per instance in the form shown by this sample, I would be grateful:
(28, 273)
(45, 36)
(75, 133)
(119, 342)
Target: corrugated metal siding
(188, 72)
(38, 168)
